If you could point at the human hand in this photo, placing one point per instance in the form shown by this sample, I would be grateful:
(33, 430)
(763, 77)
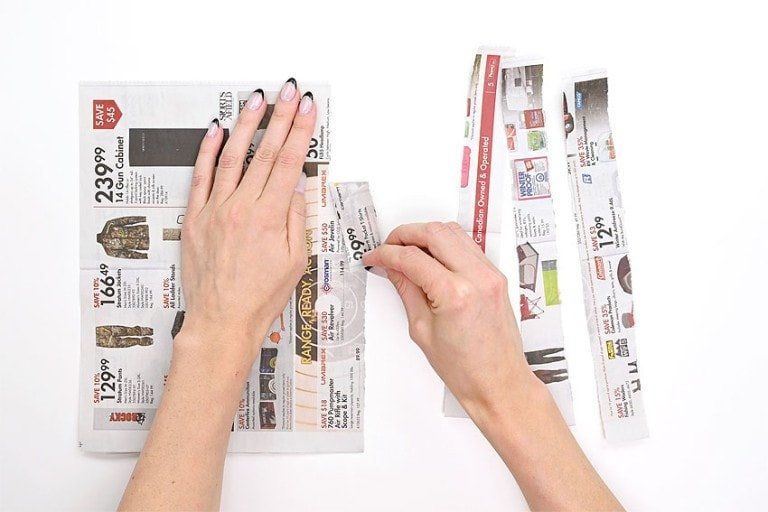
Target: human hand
(243, 240)
(459, 312)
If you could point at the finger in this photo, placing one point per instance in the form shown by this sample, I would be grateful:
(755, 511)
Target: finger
(420, 268)
(202, 176)
(230, 167)
(279, 125)
(439, 239)
(297, 221)
(290, 159)
(414, 300)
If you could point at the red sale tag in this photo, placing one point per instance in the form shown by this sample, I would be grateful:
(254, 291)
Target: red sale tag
(106, 114)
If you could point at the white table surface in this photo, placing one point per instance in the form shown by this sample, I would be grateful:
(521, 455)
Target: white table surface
(688, 116)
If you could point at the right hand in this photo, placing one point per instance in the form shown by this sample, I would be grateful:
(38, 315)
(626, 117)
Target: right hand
(459, 312)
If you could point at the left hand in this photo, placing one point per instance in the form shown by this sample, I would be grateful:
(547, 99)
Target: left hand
(243, 246)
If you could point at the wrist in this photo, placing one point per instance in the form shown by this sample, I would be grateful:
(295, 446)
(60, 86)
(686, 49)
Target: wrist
(215, 352)
(228, 342)
(200, 380)
(510, 412)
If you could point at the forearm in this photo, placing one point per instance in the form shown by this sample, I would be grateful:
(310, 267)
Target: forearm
(460, 315)
(182, 462)
(530, 435)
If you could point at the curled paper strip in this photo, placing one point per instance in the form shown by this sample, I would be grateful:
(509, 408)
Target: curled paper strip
(357, 215)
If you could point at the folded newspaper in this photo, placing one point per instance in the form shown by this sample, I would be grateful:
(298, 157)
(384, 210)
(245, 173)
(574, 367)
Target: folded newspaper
(606, 273)
(506, 146)
(138, 144)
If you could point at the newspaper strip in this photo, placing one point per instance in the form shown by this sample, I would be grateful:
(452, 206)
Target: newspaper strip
(138, 143)
(603, 251)
(520, 110)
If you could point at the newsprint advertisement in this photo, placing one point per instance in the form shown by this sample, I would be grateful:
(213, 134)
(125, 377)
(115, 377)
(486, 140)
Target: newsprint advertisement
(506, 145)
(607, 276)
(138, 144)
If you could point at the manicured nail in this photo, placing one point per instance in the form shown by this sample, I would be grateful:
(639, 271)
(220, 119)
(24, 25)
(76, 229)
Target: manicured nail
(378, 271)
(306, 103)
(302, 184)
(255, 100)
(213, 128)
(289, 90)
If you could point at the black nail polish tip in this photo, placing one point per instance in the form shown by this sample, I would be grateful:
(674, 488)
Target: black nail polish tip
(309, 95)
(260, 91)
(291, 80)
(215, 121)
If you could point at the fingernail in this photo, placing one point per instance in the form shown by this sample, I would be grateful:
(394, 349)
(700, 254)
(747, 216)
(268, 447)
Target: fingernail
(302, 184)
(255, 100)
(378, 271)
(306, 103)
(213, 128)
(289, 90)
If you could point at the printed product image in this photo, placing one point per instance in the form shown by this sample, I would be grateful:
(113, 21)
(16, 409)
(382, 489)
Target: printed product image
(276, 336)
(537, 140)
(165, 147)
(549, 276)
(624, 274)
(550, 376)
(267, 390)
(178, 321)
(568, 123)
(529, 308)
(532, 178)
(268, 360)
(528, 261)
(120, 336)
(511, 132)
(521, 88)
(533, 118)
(125, 237)
(544, 356)
(267, 418)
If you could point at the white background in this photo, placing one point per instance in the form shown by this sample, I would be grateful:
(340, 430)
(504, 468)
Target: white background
(688, 112)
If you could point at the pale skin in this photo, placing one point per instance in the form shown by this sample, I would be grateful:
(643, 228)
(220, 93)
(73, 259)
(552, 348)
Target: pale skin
(456, 302)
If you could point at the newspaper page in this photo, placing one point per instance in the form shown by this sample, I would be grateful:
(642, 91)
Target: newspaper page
(506, 93)
(138, 144)
(603, 250)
